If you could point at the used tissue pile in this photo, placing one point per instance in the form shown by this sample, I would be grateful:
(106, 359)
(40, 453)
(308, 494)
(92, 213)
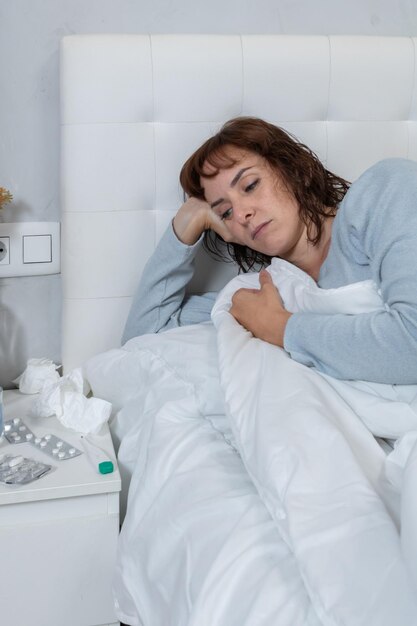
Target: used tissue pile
(65, 397)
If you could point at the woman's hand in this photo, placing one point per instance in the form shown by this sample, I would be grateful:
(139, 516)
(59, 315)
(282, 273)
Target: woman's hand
(261, 311)
(193, 218)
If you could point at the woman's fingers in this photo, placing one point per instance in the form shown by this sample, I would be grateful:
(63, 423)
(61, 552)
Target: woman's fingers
(266, 282)
(265, 278)
(191, 220)
(261, 312)
(194, 217)
(218, 225)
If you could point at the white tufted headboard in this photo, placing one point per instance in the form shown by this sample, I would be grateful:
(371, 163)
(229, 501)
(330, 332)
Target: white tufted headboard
(133, 107)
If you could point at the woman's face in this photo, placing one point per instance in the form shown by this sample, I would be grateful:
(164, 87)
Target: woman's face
(258, 209)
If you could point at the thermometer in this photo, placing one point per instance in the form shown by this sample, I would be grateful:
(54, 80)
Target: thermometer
(98, 457)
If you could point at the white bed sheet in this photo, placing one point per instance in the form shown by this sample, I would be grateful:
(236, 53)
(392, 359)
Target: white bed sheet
(257, 494)
(197, 545)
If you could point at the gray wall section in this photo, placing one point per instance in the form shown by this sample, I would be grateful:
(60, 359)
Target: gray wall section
(30, 31)
(30, 314)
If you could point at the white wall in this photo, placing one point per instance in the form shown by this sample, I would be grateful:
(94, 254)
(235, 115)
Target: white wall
(30, 31)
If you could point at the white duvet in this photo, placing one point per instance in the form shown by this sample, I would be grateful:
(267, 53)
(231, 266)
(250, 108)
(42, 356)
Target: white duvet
(259, 495)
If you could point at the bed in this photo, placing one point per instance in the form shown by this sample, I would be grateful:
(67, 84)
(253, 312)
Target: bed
(239, 509)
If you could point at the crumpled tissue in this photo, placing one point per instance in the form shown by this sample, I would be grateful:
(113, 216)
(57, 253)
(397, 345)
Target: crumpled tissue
(66, 398)
(38, 372)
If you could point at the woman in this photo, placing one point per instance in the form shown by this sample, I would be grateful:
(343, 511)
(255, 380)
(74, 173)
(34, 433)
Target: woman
(264, 195)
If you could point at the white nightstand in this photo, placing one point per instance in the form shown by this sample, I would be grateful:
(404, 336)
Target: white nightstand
(58, 534)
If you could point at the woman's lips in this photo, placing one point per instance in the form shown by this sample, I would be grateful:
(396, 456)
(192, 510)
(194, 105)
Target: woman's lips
(259, 229)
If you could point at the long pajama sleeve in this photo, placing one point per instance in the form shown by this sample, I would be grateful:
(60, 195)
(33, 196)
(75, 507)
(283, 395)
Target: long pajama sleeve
(160, 301)
(374, 236)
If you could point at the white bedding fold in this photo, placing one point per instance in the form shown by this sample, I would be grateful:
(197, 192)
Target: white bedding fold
(197, 547)
(319, 473)
(258, 496)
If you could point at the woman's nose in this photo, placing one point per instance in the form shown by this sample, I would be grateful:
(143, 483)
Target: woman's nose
(243, 212)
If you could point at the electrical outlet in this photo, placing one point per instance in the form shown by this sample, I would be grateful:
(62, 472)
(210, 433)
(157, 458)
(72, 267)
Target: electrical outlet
(5, 251)
(29, 248)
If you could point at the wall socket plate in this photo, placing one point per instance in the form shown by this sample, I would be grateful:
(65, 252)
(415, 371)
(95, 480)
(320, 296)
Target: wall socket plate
(23, 257)
(4, 250)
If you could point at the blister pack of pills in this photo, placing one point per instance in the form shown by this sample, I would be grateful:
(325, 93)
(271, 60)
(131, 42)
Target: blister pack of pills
(19, 470)
(16, 431)
(55, 447)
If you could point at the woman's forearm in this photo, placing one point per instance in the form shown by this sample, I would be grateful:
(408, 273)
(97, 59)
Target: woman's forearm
(161, 291)
(378, 347)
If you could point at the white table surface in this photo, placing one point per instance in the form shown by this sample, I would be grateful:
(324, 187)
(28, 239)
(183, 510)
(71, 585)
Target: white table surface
(71, 477)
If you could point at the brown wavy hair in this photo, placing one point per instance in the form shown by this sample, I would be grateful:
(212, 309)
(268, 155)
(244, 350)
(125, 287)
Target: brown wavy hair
(317, 191)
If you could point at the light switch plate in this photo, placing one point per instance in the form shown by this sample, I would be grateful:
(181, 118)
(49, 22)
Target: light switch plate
(31, 244)
(37, 248)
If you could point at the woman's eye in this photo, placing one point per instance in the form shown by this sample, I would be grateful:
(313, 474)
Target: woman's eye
(252, 186)
(226, 214)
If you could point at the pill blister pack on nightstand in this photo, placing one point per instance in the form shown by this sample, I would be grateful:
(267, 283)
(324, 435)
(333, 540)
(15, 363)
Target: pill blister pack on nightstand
(16, 431)
(18, 470)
